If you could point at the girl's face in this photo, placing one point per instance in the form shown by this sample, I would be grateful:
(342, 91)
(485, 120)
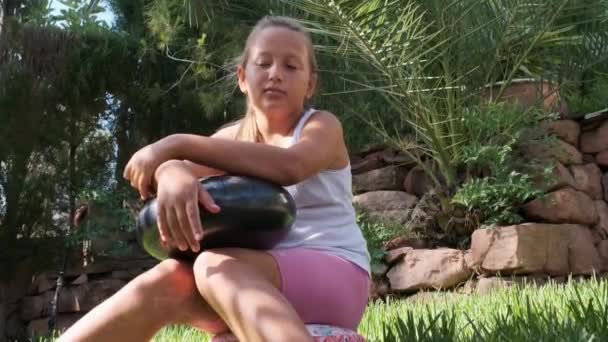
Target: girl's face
(277, 77)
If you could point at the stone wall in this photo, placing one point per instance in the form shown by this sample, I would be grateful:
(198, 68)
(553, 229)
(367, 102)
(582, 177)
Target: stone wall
(25, 311)
(566, 233)
(10, 294)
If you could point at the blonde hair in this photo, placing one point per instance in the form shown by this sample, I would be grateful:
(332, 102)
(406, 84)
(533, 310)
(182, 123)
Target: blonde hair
(248, 129)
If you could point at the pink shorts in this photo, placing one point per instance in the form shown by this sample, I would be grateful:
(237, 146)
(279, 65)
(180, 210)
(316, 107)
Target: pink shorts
(323, 288)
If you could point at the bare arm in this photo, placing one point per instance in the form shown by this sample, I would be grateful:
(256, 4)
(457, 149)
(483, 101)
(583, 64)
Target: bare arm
(198, 170)
(315, 150)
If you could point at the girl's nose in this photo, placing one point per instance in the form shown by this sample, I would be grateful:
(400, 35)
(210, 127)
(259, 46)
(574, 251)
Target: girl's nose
(275, 73)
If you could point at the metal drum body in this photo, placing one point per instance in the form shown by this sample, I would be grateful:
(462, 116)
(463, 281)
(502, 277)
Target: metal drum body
(253, 214)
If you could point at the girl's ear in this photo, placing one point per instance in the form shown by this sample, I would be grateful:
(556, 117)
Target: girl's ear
(312, 85)
(240, 73)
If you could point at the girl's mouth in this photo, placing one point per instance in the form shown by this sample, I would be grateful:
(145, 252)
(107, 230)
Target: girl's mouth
(274, 91)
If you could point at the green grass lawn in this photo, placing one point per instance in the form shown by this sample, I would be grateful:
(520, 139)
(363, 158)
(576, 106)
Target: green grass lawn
(574, 312)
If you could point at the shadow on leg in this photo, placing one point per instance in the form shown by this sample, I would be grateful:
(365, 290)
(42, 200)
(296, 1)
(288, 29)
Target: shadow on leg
(243, 287)
(166, 294)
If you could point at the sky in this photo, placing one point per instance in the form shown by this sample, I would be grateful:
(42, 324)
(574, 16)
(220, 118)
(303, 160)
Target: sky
(107, 16)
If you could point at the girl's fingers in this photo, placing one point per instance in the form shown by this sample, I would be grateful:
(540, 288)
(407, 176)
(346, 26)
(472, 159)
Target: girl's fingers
(162, 225)
(135, 181)
(127, 172)
(175, 229)
(207, 201)
(194, 218)
(144, 182)
(182, 218)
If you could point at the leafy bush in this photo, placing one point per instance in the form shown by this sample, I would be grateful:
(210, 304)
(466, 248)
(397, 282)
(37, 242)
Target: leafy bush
(377, 233)
(498, 197)
(107, 216)
(594, 99)
(498, 180)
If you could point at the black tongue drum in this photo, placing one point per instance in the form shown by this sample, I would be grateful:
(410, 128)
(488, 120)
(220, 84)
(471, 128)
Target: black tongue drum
(253, 214)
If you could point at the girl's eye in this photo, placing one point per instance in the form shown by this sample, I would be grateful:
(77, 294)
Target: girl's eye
(264, 64)
(292, 67)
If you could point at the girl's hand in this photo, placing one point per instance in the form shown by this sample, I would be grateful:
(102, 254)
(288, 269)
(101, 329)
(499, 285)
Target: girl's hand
(179, 194)
(142, 165)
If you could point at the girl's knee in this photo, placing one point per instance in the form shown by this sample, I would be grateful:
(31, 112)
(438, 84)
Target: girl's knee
(211, 265)
(209, 258)
(206, 262)
(168, 276)
(171, 270)
(213, 268)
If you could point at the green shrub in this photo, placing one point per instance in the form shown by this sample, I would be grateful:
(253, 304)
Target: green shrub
(377, 233)
(497, 198)
(109, 216)
(593, 99)
(498, 179)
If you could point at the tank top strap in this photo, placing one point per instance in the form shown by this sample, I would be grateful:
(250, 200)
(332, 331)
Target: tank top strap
(301, 122)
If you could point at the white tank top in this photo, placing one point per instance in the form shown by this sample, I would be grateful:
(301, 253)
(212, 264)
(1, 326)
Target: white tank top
(325, 217)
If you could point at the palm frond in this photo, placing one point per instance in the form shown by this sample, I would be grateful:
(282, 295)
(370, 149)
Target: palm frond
(434, 57)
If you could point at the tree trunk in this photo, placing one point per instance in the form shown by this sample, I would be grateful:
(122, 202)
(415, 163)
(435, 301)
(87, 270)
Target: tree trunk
(124, 144)
(74, 141)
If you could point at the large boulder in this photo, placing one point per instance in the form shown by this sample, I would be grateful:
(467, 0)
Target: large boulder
(595, 140)
(602, 225)
(534, 248)
(588, 178)
(386, 206)
(429, 269)
(372, 161)
(384, 200)
(605, 185)
(401, 158)
(603, 251)
(559, 178)
(386, 178)
(568, 130)
(554, 150)
(396, 255)
(405, 241)
(602, 158)
(562, 206)
(391, 217)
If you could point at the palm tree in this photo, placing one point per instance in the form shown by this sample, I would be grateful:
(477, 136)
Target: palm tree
(433, 59)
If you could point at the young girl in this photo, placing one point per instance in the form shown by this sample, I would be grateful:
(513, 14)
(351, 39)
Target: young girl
(318, 274)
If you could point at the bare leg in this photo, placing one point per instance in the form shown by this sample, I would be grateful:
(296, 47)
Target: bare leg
(163, 295)
(243, 287)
